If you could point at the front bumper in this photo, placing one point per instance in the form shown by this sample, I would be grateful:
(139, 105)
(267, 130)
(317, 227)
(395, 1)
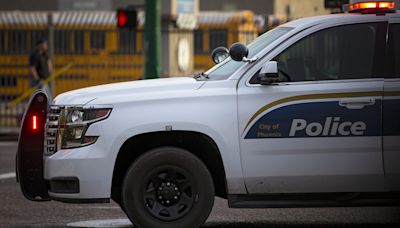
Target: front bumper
(71, 175)
(89, 165)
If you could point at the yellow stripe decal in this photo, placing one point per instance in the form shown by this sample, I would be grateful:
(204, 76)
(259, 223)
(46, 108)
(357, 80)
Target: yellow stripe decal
(312, 97)
(391, 93)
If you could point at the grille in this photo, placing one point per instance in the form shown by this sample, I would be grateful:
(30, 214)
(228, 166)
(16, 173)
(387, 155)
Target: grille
(50, 137)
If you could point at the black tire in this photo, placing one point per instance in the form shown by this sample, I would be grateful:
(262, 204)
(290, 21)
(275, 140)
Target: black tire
(168, 187)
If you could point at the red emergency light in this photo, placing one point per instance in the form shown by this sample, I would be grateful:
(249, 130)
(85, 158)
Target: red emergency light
(371, 6)
(34, 122)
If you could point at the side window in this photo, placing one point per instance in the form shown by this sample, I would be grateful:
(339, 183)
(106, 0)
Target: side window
(394, 48)
(343, 52)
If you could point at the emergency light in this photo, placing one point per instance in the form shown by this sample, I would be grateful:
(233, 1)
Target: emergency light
(34, 122)
(372, 7)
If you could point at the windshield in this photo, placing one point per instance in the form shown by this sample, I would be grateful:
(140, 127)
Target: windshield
(226, 68)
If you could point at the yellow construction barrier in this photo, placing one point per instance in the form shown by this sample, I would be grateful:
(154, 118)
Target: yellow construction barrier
(33, 89)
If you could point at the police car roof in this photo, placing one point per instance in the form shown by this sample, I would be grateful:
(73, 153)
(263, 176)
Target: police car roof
(343, 17)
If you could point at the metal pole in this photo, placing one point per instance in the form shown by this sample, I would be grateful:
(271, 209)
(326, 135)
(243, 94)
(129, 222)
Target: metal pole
(152, 42)
(50, 26)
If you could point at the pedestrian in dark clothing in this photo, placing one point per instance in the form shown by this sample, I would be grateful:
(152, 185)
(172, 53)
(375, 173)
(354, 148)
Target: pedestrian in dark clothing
(40, 67)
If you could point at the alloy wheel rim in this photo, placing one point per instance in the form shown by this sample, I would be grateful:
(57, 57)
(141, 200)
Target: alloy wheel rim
(169, 193)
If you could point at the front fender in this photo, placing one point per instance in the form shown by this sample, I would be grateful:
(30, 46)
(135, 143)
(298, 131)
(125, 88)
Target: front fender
(230, 153)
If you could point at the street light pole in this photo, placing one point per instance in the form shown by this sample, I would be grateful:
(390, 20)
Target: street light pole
(152, 41)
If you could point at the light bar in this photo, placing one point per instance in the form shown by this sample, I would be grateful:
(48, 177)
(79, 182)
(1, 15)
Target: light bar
(372, 6)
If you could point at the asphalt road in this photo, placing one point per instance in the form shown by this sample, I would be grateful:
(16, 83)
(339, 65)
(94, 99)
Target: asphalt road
(16, 211)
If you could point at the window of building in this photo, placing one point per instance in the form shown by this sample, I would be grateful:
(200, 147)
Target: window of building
(198, 41)
(2, 42)
(343, 52)
(62, 44)
(8, 81)
(97, 39)
(218, 37)
(17, 42)
(79, 42)
(127, 41)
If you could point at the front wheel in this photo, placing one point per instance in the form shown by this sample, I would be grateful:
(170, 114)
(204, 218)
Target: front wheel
(168, 187)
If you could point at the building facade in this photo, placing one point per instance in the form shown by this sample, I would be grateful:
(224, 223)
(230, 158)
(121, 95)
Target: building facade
(295, 8)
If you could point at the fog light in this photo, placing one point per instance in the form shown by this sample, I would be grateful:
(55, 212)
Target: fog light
(78, 132)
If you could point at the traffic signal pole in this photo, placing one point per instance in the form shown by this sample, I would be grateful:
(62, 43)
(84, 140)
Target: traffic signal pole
(152, 41)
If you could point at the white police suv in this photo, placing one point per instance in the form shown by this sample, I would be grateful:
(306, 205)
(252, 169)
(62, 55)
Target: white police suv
(307, 115)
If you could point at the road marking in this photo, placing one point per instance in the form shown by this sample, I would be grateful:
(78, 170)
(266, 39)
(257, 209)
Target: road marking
(102, 223)
(7, 176)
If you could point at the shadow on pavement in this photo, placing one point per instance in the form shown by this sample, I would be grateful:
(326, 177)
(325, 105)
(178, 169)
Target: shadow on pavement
(272, 225)
(258, 225)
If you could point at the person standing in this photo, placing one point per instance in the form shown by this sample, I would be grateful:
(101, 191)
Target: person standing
(41, 67)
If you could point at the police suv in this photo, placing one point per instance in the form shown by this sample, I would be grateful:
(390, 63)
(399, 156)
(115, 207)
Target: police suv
(307, 115)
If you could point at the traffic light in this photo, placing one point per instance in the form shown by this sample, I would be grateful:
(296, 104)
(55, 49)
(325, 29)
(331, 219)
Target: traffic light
(126, 18)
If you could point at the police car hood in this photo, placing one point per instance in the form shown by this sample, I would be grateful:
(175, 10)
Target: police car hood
(151, 87)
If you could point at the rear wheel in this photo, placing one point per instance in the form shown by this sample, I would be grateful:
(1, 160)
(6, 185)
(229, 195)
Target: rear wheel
(168, 187)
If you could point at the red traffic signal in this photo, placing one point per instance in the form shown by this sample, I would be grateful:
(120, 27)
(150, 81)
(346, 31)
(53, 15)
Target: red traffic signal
(122, 18)
(126, 18)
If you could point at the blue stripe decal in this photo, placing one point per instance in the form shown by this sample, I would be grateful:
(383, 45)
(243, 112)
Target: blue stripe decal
(319, 119)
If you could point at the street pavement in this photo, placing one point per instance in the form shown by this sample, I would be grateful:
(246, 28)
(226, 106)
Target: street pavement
(16, 211)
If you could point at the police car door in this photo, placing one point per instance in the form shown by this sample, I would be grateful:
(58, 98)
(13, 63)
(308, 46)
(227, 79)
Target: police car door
(391, 107)
(319, 128)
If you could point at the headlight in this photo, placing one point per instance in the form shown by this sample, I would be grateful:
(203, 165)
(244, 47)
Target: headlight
(77, 116)
(74, 122)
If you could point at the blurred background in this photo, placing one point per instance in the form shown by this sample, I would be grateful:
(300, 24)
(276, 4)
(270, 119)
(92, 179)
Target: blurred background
(100, 47)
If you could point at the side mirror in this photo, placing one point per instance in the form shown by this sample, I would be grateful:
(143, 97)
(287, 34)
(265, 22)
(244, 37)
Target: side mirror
(219, 54)
(238, 52)
(268, 73)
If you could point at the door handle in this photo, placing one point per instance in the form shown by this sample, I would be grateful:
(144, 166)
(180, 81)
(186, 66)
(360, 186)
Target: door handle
(356, 103)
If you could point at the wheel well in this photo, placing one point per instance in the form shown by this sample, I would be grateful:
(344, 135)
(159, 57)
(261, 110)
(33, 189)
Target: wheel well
(197, 143)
